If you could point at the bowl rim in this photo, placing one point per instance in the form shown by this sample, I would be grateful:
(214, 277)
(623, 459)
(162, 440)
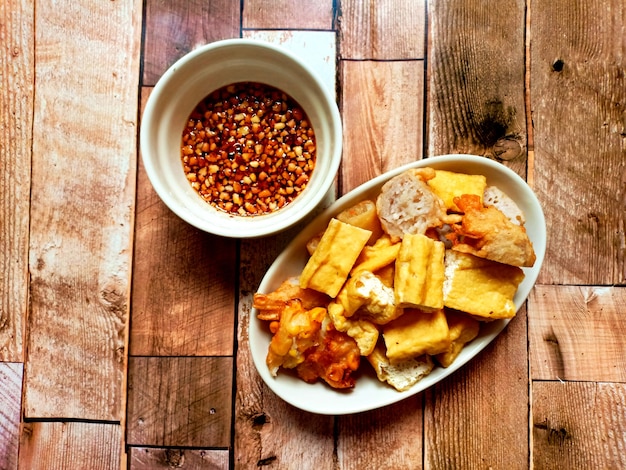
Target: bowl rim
(273, 222)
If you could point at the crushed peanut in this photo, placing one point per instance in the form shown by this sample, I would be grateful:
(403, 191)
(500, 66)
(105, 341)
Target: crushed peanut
(248, 149)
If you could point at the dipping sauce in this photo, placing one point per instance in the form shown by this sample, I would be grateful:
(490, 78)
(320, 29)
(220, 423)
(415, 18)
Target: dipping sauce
(248, 149)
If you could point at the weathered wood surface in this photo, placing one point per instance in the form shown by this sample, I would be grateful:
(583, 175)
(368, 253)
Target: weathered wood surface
(578, 100)
(82, 207)
(539, 86)
(16, 117)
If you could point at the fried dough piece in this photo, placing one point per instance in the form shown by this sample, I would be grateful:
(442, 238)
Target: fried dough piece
(487, 233)
(333, 360)
(406, 204)
(364, 332)
(271, 305)
(296, 331)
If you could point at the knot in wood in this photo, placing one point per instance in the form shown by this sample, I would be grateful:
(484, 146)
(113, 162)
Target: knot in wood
(507, 149)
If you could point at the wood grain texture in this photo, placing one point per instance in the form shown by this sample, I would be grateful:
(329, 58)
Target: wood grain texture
(579, 425)
(578, 98)
(183, 289)
(288, 14)
(144, 458)
(476, 80)
(382, 29)
(46, 445)
(180, 401)
(10, 413)
(17, 71)
(82, 204)
(174, 28)
(370, 439)
(478, 417)
(382, 117)
(577, 333)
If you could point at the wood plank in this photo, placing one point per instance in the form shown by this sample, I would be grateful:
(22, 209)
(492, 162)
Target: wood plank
(145, 458)
(288, 14)
(82, 203)
(381, 131)
(268, 432)
(579, 425)
(371, 439)
(382, 30)
(179, 401)
(10, 413)
(47, 445)
(16, 118)
(478, 417)
(317, 48)
(476, 80)
(174, 28)
(578, 97)
(183, 287)
(577, 333)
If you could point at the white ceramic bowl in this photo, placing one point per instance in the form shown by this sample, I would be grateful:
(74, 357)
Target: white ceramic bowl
(205, 70)
(369, 392)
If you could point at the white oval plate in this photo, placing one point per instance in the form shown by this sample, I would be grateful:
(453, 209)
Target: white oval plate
(369, 393)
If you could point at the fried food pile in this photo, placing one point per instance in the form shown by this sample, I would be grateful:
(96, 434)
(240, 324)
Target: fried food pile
(404, 281)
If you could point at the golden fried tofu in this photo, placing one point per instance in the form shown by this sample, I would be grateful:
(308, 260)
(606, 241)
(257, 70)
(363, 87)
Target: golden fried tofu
(418, 280)
(480, 287)
(363, 215)
(448, 185)
(366, 294)
(382, 253)
(416, 333)
(402, 375)
(463, 329)
(363, 332)
(329, 266)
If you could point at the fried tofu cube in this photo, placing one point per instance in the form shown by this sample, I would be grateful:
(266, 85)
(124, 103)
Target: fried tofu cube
(463, 329)
(328, 268)
(366, 294)
(402, 375)
(375, 257)
(416, 333)
(419, 275)
(448, 185)
(480, 287)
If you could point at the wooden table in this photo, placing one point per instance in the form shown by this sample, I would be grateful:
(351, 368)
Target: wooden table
(123, 331)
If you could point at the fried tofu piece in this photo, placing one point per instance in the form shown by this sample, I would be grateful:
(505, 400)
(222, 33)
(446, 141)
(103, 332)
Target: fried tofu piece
(328, 268)
(366, 294)
(419, 274)
(364, 332)
(488, 233)
(480, 287)
(463, 329)
(375, 257)
(448, 185)
(416, 333)
(363, 215)
(402, 375)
